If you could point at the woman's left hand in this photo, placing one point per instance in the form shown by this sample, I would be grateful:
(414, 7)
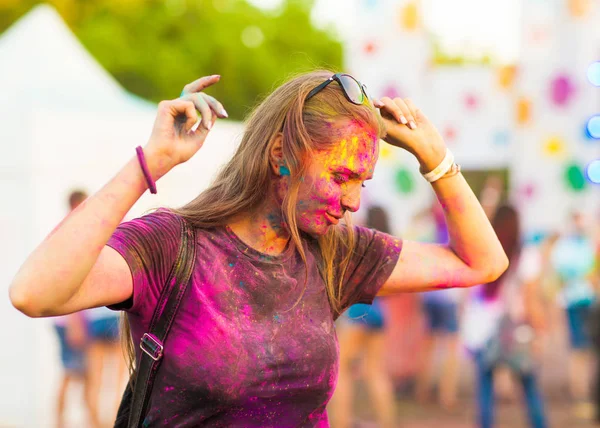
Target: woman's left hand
(408, 128)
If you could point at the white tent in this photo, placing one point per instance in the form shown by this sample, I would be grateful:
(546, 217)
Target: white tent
(66, 123)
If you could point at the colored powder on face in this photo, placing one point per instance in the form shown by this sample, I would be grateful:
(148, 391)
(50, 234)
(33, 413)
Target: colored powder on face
(284, 171)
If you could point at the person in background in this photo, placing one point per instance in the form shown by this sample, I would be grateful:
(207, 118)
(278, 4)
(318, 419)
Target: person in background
(573, 260)
(441, 313)
(595, 320)
(104, 352)
(72, 337)
(364, 336)
(501, 321)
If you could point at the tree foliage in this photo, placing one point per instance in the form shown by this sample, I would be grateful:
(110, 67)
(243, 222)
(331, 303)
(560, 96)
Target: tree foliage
(154, 47)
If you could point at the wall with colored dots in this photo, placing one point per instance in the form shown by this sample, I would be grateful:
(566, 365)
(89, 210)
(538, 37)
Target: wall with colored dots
(539, 117)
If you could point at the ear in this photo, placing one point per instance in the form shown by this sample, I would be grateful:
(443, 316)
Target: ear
(278, 165)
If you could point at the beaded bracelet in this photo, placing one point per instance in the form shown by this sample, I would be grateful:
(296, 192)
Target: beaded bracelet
(144, 166)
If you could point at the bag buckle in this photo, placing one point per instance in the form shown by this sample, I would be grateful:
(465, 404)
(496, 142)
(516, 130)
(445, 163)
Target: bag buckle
(151, 346)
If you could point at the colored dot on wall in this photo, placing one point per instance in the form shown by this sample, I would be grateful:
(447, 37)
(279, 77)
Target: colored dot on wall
(506, 76)
(471, 101)
(523, 111)
(370, 48)
(449, 134)
(562, 90)
(579, 8)
(391, 91)
(404, 181)
(538, 34)
(593, 127)
(528, 190)
(501, 138)
(574, 177)
(409, 16)
(593, 73)
(554, 146)
(384, 151)
(593, 171)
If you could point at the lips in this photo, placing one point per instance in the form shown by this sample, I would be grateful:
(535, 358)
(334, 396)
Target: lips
(332, 219)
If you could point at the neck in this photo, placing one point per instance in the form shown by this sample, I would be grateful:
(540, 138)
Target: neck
(263, 229)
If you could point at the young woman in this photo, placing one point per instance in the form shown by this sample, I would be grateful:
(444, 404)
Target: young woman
(254, 342)
(500, 320)
(573, 258)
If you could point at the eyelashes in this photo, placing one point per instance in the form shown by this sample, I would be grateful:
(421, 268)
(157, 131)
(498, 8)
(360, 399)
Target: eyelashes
(342, 179)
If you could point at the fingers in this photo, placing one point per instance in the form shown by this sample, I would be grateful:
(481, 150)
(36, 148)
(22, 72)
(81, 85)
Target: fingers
(216, 106)
(413, 109)
(200, 84)
(183, 111)
(206, 105)
(204, 110)
(403, 110)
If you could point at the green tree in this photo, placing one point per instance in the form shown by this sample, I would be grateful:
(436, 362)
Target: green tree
(155, 47)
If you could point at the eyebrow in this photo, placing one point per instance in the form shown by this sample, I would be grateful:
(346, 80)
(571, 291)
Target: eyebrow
(350, 173)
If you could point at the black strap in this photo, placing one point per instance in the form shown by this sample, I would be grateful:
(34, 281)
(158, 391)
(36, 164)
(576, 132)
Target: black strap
(152, 343)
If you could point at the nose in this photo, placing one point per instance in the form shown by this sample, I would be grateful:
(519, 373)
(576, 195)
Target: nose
(351, 199)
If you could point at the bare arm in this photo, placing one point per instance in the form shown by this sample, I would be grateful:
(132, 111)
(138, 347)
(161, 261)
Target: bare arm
(72, 269)
(474, 254)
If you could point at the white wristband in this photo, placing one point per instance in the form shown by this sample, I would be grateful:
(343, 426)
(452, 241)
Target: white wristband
(441, 169)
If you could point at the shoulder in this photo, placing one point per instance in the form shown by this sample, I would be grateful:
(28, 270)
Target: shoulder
(148, 236)
(362, 238)
(161, 221)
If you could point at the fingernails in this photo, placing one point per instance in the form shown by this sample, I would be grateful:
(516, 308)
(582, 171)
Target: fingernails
(208, 125)
(412, 125)
(215, 76)
(224, 113)
(403, 120)
(194, 127)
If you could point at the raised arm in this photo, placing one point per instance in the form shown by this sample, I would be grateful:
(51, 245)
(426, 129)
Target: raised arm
(73, 269)
(473, 255)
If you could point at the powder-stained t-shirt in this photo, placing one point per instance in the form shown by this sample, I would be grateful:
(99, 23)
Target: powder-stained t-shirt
(250, 346)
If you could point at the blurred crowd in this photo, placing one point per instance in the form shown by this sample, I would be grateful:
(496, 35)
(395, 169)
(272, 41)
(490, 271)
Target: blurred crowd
(484, 343)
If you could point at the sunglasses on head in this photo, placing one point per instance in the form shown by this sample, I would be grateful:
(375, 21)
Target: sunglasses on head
(354, 91)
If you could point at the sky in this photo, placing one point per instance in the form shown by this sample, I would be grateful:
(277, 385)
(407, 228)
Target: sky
(491, 25)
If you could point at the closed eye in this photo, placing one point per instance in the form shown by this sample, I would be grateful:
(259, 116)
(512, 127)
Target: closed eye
(340, 179)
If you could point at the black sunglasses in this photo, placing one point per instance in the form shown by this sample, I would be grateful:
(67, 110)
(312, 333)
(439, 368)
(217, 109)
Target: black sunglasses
(354, 91)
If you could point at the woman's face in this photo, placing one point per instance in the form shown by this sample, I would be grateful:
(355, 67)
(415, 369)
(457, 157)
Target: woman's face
(335, 177)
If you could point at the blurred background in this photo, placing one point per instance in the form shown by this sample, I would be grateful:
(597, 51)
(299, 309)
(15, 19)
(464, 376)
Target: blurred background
(514, 88)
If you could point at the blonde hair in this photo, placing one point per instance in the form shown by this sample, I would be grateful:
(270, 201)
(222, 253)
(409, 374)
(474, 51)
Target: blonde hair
(243, 183)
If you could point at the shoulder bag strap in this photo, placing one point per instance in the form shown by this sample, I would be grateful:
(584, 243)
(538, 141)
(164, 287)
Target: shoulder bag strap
(152, 343)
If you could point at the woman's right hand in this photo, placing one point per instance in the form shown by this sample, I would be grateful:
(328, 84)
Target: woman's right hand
(174, 138)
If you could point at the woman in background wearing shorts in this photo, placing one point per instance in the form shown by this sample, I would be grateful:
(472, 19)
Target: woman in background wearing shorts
(72, 337)
(364, 334)
(440, 309)
(104, 350)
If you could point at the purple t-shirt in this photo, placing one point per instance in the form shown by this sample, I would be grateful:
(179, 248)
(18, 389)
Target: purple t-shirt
(250, 346)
